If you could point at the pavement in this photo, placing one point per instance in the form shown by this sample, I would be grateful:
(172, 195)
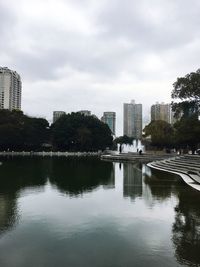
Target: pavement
(132, 157)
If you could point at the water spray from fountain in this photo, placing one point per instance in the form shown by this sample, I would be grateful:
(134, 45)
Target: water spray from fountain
(135, 147)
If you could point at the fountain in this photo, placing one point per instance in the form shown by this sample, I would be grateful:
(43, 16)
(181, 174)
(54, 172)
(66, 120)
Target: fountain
(134, 148)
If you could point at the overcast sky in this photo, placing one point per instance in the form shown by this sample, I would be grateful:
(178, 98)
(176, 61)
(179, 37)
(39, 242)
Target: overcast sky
(98, 54)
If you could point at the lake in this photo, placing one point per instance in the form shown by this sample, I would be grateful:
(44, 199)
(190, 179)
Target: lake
(80, 212)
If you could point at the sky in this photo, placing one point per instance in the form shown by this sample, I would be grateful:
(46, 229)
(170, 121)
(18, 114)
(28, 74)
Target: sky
(98, 54)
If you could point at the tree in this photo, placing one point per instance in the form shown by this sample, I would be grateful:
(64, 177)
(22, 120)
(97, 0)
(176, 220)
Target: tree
(187, 89)
(76, 132)
(187, 132)
(35, 132)
(161, 133)
(20, 132)
(124, 140)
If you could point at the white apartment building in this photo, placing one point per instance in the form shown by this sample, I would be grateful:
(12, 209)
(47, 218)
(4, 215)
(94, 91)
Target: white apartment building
(10, 89)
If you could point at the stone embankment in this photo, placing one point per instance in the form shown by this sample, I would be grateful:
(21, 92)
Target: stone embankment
(187, 166)
(49, 154)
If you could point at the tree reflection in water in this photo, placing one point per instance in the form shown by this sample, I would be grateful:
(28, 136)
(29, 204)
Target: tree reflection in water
(162, 184)
(16, 175)
(71, 176)
(75, 177)
(186, 228)
(79, 175)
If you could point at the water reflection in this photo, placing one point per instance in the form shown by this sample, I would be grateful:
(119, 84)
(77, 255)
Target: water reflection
(132, 180)
(186, 228)
(107, 215)
(19, 173)
(74, 177)
(16, 175)
(8, 212)
(161, 184)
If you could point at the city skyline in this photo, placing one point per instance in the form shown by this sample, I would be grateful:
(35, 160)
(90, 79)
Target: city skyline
(80, 55)
(10, 98)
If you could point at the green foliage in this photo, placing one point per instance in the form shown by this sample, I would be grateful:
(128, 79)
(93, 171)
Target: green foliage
(20, 132)
(187, 89)
(124, 140)
(187, 132)
(35, 132)
(76, 132)
(161, 132)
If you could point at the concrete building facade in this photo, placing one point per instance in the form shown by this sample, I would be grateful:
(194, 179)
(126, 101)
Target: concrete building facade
(10, 89)
(162, 112)
(133, 120)
(109, 118)
(85, 112)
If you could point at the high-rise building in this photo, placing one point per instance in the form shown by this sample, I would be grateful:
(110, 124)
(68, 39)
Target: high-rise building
(133, 120)
(85, 112)
(161, 112)
(57, 115)
(10, 89)
(109, 118)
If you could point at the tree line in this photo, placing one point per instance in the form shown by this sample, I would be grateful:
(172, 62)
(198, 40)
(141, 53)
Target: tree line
(71, 132)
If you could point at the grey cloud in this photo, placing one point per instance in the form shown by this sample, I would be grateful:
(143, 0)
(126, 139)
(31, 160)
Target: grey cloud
(102, 54)
(8, 20)
(176, 24)
(55, 61)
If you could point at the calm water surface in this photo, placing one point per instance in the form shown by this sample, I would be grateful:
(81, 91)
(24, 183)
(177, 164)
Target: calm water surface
(86, 212)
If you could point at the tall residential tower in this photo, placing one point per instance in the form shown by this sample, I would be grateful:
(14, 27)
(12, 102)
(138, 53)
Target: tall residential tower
(133, 120)
(10, 89)
(162, 112)
(109, 118)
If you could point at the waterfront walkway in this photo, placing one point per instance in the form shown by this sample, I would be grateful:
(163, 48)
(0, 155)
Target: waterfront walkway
(132, 157)
(187, 166)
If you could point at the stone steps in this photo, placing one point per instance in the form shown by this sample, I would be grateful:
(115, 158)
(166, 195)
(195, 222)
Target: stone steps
(135, 157)
(188, 167)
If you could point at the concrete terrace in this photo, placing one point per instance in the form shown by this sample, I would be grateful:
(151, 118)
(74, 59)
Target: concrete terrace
(132, 157)
(187, 166)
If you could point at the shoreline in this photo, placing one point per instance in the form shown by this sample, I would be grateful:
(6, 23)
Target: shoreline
(48, 154)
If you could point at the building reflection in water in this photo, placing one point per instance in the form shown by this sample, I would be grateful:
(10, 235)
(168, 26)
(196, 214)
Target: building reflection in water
(132, 180)
(110, 183)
